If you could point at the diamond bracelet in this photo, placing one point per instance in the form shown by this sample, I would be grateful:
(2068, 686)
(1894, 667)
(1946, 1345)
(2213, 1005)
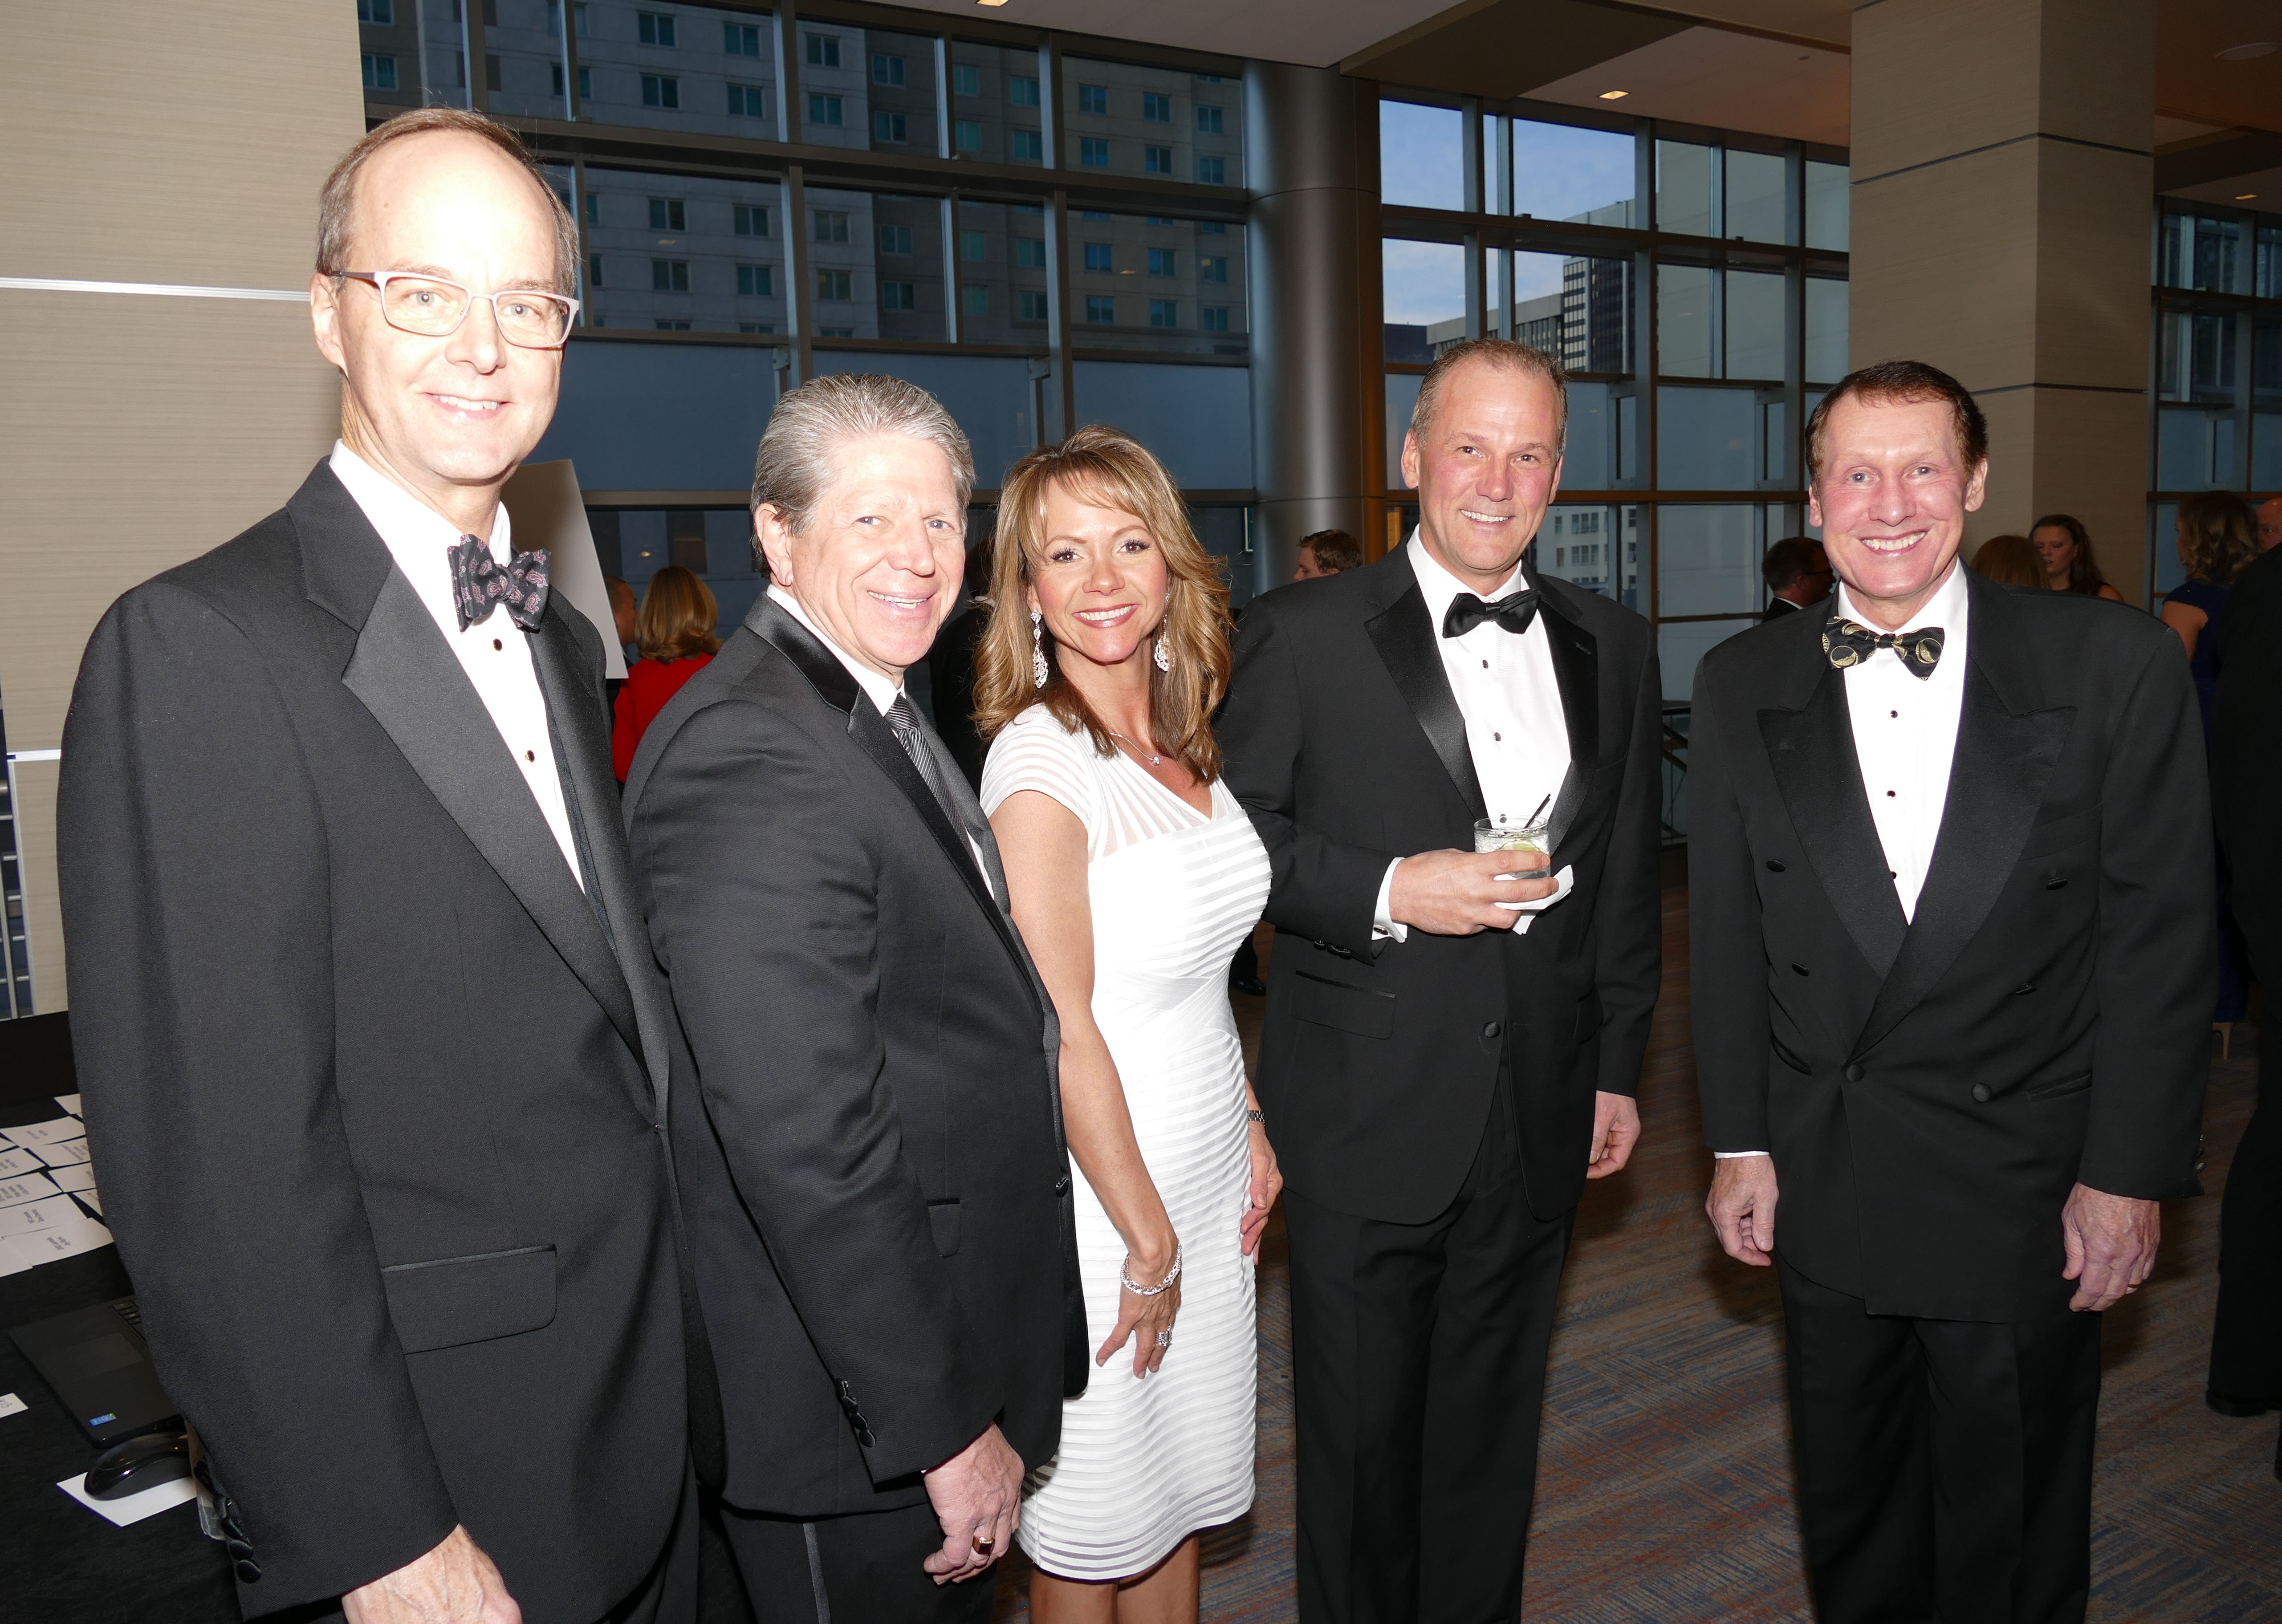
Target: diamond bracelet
(1163, 1286)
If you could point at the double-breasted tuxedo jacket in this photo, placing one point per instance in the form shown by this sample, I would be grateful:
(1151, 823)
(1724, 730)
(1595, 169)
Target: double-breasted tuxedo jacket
(1932, 1087)
(1345, 744)
(878, 1195)
(378, 1094)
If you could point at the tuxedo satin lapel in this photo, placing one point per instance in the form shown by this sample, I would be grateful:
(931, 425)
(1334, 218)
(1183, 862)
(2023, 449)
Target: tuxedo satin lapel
(1577, 669)
(407, 676)
(1812, 752)
(1996, 782)
(574, 710)
(1404, 636)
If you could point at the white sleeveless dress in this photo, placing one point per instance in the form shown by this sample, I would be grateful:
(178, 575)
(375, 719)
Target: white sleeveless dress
(1146, 1462)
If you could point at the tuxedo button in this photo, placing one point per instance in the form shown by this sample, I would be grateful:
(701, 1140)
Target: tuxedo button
(1061, 1185)
(1490, 1029)
(1775, 867)
(248, 1571)
(2025, 989)
(1798, 970)
(1853, 1074)
(237, 1547)
(2056, 883)
(1981, 1094)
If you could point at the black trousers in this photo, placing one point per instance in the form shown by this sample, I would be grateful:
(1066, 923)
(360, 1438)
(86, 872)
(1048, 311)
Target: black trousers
(2247, 1338)
(859, 1569)
(1944, 1465)
(1418, 1364)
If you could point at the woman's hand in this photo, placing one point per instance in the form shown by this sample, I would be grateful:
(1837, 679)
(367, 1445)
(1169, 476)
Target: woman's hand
(1267, 1184)
(1146, 1321)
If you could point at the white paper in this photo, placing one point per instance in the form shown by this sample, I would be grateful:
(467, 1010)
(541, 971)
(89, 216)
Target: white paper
(1564, 883)
(70, 1102)
(27, 1187)
(27, 1216)
(10, 1404)
(88, 1199)
(14, 1161)
(135, 1507)
(66, 1154)
(34, 1134)
(546, 509)
(79, 1176)
(77, 1234)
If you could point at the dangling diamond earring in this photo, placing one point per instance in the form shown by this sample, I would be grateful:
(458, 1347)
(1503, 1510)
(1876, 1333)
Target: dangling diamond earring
(1164, 655)
(1038, 650)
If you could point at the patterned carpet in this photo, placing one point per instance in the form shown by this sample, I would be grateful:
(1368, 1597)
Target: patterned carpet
(1665, 1490)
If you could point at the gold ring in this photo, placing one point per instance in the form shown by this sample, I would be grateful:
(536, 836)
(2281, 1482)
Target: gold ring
(984, 1543)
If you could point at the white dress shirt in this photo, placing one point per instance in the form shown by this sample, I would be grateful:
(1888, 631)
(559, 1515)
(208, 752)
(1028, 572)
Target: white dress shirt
(495, 652)
(1904, 738)
(1516, 729)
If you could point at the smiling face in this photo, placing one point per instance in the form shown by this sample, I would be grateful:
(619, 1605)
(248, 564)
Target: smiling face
(2055, 549)
(1890, 501)
(448, 418)
(879, 564)
(1484, 469)
(1098, 578)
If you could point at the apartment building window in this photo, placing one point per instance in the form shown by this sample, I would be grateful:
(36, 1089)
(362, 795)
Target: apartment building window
(1211, 121)
(585, 80)
(745, 101)
(1212, 267)
(380, 12)
(899, 296)
(593, 208)
(756, 327)
(1100, 307)
(661, 90)
(965, 79)
(1026, 144)
(835, 332)
(654, 29)
(668, 214)
(756, 280)
(1157, 160)
(1030, 252)
(668, 276)
(741, 39)
(974, 301)
(967, 134)
(1030, 307)
(887, 70)
(826, 110)
(823, 49)
(1156, 107)
(1023, 91)
(1164, 313)
(672, 324)
(891, 126)
(1213, 318)
(554, 19)
(1162, 260)
(895, 240)
(1212, 228)
(827, 225)
(594, 270)
(749, 219)
(492, 78)
(1093, 153)
(1099, 256)
(974, 246)
(379, 71)
(834, 286)
(1213, 171)
(1093, 98)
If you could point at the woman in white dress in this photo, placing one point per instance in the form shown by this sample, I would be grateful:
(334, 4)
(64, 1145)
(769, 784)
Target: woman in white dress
(1133, 874)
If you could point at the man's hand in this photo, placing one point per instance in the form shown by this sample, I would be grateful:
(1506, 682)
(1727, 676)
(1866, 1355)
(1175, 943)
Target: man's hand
(1615, 1130)
(2111, 1246)
(1457, 893)
(1742, 1206)
(455, 1583)
(977, 1495)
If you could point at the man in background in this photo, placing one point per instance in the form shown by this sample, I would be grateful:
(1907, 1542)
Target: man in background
(1326, 553)
(2269, 523)
(1797, 573)
(623, 611)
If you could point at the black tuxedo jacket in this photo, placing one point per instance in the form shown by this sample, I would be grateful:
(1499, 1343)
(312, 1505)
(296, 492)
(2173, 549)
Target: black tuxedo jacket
(2246, 757)
(877, 1192)
(376, 1091)
(1345, 744)
(1932, 1088)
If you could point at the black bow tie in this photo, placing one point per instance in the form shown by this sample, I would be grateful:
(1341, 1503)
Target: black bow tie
(480, 586)
(1513, 612)
(1849, 643)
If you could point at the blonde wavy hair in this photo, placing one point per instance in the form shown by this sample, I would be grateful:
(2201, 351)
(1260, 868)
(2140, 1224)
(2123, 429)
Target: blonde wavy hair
(1112, 470)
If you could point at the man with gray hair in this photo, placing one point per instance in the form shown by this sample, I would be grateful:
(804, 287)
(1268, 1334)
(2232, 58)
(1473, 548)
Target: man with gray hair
(877, 1191)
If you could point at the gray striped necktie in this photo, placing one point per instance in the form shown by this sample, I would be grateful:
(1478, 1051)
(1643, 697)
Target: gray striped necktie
(950, 788)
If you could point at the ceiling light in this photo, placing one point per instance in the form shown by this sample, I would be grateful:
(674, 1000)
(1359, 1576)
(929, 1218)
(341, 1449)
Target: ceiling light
(1614, 95)
(2250, 52)
(2244, 197)
(989, 2)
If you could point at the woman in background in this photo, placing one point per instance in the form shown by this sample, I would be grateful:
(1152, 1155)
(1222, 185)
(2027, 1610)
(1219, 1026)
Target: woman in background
(2009, 561)
(674, 631)
(2064, 547)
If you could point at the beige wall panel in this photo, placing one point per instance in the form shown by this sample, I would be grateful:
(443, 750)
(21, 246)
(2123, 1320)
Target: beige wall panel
(2091, 461)
(2011, 500)
(1943, 267)
(175, 142)
(1934, 78)
(2091, 207)
(2098, 75)
(36, 848)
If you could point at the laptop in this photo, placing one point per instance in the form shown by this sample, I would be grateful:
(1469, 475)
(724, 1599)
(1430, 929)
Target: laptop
(100, 1365)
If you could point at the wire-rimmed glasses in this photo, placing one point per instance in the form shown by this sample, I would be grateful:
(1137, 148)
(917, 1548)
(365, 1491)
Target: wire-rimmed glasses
(433, 307)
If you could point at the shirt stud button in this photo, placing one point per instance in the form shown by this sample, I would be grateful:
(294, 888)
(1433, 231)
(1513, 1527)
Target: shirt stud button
(1981, 1094)
(496, 644)
(529, 756)
(1889, 794)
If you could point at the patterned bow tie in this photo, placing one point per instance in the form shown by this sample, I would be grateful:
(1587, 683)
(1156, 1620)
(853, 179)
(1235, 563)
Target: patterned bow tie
(480, 586)
(1514, 612)
(1849, 643)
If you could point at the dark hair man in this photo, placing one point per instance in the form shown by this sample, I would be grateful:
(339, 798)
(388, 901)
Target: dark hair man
(2269, 523)
(624, 609)
(1326, 553)
(1950, 897)
(1448, 1055)
(375, 1059)
(1797, 573)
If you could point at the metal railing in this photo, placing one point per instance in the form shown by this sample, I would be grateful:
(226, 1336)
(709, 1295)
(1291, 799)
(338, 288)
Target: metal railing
(1673, 747)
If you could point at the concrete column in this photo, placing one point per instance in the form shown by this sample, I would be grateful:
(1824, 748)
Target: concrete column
(2002, 183)
(1313, 254)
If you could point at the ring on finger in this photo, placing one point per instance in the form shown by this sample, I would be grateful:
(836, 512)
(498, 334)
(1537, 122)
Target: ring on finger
(983, 1544)
(1164, 1339)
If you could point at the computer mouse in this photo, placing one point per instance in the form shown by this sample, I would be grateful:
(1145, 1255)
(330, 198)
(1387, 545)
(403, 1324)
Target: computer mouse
(133, 1464)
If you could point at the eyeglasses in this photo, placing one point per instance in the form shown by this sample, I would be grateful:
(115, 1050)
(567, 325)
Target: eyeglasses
(434, 308)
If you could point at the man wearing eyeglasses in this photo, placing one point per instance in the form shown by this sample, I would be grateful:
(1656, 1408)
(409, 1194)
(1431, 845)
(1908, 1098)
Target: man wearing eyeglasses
(375, 1062)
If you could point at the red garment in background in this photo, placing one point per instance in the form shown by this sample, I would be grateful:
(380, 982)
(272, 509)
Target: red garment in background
(650, 684)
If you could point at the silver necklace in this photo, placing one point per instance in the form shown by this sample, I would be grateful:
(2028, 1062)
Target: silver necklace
(1154, 760)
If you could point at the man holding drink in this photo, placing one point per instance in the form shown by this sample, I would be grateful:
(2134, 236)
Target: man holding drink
(1453, 1035)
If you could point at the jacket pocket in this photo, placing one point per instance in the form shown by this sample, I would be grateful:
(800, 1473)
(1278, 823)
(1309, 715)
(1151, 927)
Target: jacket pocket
(1790, 1059)
(2058, 1086)
(1588, 1017)
(448, 1301)
(943, 1224)
(1351, 1009)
